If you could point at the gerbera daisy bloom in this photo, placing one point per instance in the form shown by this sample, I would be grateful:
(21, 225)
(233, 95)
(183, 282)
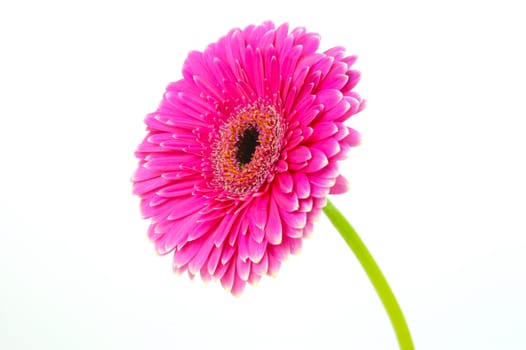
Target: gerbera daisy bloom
(242, 152)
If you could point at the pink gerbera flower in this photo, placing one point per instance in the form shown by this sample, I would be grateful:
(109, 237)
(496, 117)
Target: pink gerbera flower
(242, 152)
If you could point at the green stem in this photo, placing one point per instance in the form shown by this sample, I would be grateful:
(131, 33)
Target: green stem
(374, 273)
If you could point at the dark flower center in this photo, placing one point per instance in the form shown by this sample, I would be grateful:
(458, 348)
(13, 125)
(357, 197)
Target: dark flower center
(246, 145)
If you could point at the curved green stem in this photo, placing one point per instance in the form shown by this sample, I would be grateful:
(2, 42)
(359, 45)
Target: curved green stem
(374, 273)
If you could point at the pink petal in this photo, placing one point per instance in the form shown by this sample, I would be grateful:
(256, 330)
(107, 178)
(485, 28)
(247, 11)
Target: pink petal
(185, 254)
(282, 166)
(243, 268)
(297, 166)
(322, 131)
(286, 201)
(175, 237)
(227, 253)
(254, 278)
(354, 78)
(319, 191)
(274, 228)
(294, 220)
(143, 173)
(238, 287)
(319, 202)
(322, 181)
(300, 154)
(353, 139)
(293, 232)
(340, 111)
(273, 265)
(341, 185)
(145, 186)
(185, 207)
(242, 246)
(221, 270)
(180, 188)
(328, 146)
(205, 276)
(301, 182)
(258, 214)
(295, 245)
(306, 205)
(256, 233)
(318, 161)
(227, 281)
(261, 267)
(200, 258)
(336, 82)
(285, 182)
(224, 228)
(329, 98)
(256, 250)
(213, 259)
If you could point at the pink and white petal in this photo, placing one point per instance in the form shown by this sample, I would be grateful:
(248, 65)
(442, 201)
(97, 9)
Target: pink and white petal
(274, 228)
(330, 146)
(319, 203)
(176, 236)
(254, 278)
(293, 232)
(281, 166)
(185, 207)
(294, 220)
(329, 98)
(322, 130)
(274, 265)
(256, 233)
(285, 201)
(285, 181)
(295, 245)
(205, 276)
(319, 191)
(297, 166)
(299, 154)
(143, 173)
(353, 139)
(261, 267)
(183, 256)
(223, 228)
(319, 161)
(242, 246)
(306, 205)
(221, 270)
(201, 257)
(180, 188)
(341, 185)
(142, 187)
(213, 259)
(243, 268)
(256, 250)
(309, 229)
(302, 185)
(238, 287)
(258, 211)
(319, 181)
(227, 281)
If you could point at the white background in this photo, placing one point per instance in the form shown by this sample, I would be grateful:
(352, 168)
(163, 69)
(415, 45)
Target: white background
(438, 191)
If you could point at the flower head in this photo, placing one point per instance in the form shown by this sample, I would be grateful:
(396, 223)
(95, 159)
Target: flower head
(243, 150)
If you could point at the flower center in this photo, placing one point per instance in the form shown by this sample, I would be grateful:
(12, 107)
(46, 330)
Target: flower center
(246, 145)
(245, 150)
